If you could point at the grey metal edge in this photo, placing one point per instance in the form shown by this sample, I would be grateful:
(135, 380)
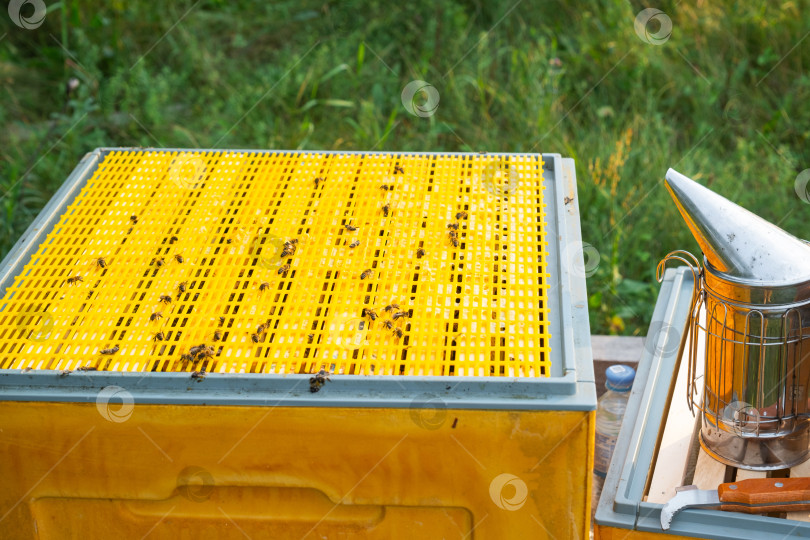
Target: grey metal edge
(571, 389)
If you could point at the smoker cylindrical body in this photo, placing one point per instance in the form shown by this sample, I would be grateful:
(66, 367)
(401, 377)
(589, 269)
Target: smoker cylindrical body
(757, 371)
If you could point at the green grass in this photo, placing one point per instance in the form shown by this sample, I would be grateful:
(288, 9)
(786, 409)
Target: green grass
(724, 101)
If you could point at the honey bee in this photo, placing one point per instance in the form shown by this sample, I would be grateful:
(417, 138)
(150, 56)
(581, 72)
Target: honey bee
(283, 270)
(198, 375)
(217, 335)
(100, 262)
(179, 258)
(221, 321)
(420, 253)
(155, 316)
(388, 325)
(265, 285)
(186, 358)
(288, 251)
(160, 336)
(386, 209)
(453, 236)
(370, 313)
(160, 261)
(398, 333)
(453, 226)
(318, 380)
(74, 279)
(165, 299)
(310, 338)
(201, 351)
(400, 315)
(255, 338)
(354, 244)
(181, 287)
(293, 241)
(134, 219)
(262, 328)
(65, 372)
(462, 215)
(111, 350)
(350, 227)
(390, 307)
(386, 187)
(398, 169)
(367, 274)
(318, 181)
(87, 368)
(173, 239)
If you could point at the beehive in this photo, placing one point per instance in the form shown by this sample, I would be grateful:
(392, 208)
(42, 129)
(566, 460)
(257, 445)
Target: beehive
(214, 420)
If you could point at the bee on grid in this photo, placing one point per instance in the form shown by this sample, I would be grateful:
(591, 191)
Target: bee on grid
(179, 258)
(198, 376)
(264, 286)
(390, 308)
(388, 324)
(156, 316)
(462, 215)
(400, 315)
(73, 280)
(290, 246)
(370, 313)
(111, 350)
(318, 380)
(217, 336)
(284, 270)
(398, 333)
(349, 227)
(160, 262)
(420, 253)
(173, 239)
(453, 237)
(398, 170)
(318, 181)
(354, 244)
(386, 209)
(87, 368)
(133, 220)
(159, 336)
(201, 352)
(367, 274)
(165, 299)
(181, 288)
(100, 262)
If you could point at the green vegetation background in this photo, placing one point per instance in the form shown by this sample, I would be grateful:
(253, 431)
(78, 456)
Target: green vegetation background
(724, 101)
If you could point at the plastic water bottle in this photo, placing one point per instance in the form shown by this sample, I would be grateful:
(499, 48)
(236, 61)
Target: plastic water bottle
(609, 414)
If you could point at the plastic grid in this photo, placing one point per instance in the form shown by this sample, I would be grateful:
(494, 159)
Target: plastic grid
(475, 309)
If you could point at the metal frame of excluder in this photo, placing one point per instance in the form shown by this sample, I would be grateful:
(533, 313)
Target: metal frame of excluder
(567, 385)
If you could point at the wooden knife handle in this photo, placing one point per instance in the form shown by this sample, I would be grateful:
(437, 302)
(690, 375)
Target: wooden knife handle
(758, 495)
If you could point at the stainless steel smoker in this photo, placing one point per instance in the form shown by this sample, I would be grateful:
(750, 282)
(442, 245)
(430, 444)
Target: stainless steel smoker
(750, 329)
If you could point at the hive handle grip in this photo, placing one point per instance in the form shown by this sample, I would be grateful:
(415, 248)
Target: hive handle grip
(759, 495)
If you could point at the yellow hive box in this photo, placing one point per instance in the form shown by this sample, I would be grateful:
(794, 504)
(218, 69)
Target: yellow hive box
(221, 344)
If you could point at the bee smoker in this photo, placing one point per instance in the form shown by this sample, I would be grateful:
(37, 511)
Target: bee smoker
(751, 313)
